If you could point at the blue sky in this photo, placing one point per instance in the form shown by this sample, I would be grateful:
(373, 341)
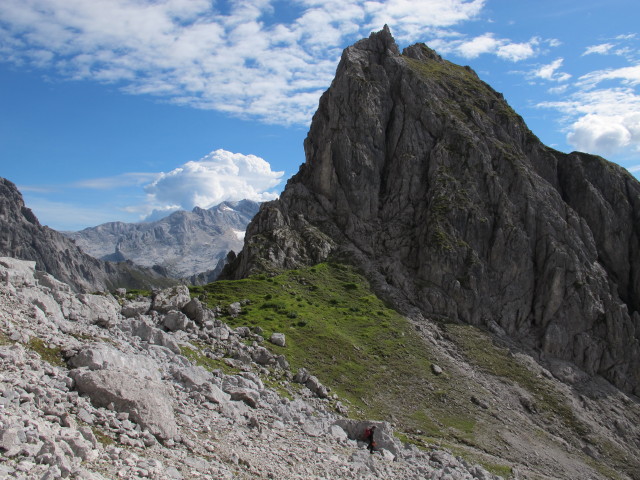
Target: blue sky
(116, 109)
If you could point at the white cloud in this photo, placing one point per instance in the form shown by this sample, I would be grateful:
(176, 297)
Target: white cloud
(239, 62)
(477, 46)
(517, 51)
(219, 176)
(601, 110)
(602, 121)
(550, 72)
(559, 89)
(604, 134)
(626, 75)
(409, 17)
(489, 44)
(601, 49)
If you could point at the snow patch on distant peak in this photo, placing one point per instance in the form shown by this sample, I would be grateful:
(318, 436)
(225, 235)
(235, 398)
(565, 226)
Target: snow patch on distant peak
(227, 208)
(239, 234)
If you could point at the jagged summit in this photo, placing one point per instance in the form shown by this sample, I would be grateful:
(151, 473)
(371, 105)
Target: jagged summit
(422, 175)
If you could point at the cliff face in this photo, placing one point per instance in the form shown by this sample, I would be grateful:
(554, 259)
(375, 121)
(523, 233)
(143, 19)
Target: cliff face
(22, 237)
(184, 243)
(421, 174)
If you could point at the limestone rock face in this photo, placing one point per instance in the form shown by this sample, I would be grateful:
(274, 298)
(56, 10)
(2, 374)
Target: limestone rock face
(22, 236)
(422, 174)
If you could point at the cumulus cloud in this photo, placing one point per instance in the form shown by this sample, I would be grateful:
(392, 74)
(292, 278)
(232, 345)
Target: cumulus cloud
(219, 176)
(477, 46)
(239, 61)
(605, 134)
(517, 51)
(605, 121)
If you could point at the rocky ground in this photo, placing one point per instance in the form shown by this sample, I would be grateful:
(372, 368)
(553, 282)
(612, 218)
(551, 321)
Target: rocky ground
(102, 386)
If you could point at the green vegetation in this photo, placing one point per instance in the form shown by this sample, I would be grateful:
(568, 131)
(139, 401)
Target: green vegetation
(503, 471)
(135, 293)
(357, 346)
(49, 354)
(372, 357)
(102, 437)
(341, 332)
(470, 97)
(4, 340)
(197, 357)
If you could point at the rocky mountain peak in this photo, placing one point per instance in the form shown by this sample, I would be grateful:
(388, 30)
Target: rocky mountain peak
(422, 175)
(379, 43)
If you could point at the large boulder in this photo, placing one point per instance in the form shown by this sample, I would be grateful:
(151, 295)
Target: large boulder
(148, 402)
(174, 298)
(17, 272)
(105, 357)
(383, 434)
(193, 376)
(142, 328)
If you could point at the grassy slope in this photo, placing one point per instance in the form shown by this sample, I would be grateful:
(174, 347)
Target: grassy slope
(337, 329)
(364, 351)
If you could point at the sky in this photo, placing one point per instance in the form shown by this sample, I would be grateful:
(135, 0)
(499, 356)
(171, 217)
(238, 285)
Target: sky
(125, 110)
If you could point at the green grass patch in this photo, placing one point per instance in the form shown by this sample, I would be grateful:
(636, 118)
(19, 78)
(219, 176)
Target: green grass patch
(5, 340)
(504, 471)
(102, 437)
(468, 95)
(135, 293)
(52, 355)
(196, 356)
(341, 332)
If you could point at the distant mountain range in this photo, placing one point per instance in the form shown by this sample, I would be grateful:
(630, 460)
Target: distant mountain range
(23, 237)
(184, 243)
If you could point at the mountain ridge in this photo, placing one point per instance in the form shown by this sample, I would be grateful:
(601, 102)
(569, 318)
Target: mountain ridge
(185, 243)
